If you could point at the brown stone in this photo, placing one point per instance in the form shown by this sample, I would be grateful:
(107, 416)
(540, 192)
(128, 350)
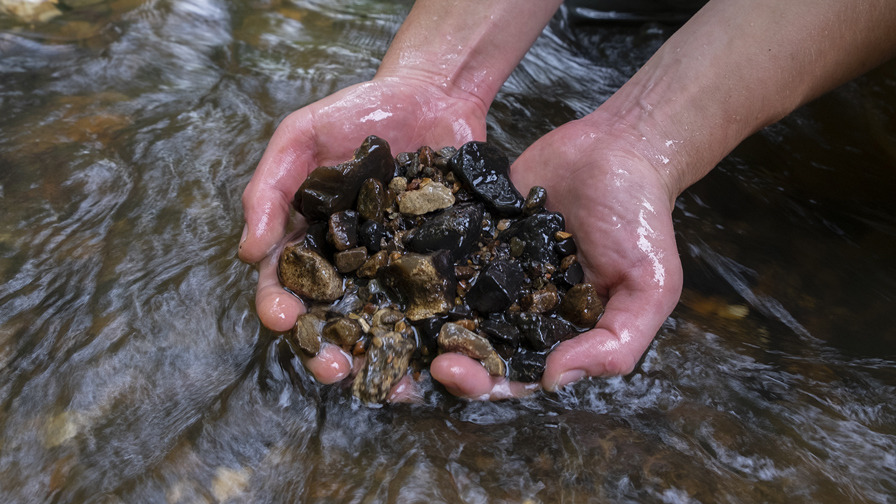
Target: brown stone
(429, 197)
(541, 301)
(306, 334)
(371, 200)
(342, 331)
(350, 260)
(581, 306)
(374, 263)
(426, 283)
(388, 357)
(456, 338)
(307, 274)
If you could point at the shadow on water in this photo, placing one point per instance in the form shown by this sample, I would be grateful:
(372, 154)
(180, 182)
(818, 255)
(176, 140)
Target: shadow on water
(133, 367)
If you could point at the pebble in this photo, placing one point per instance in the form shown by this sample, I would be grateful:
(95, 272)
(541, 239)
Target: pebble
(429, 197)
(581, 306)
(309, 275)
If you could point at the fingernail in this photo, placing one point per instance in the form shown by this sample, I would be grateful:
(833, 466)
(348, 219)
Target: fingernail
(245, 234)
(568, 377)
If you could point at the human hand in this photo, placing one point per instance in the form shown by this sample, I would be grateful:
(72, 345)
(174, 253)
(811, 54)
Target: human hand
(617, 204)
(404, 112)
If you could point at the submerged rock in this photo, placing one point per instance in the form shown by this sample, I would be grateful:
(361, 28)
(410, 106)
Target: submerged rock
(388, 357)
(537, 234)
(425, 283)
(497, 287)
(306, 334)
(456, 338)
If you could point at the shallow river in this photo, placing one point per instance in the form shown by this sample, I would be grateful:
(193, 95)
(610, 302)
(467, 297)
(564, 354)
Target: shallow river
(133, 367)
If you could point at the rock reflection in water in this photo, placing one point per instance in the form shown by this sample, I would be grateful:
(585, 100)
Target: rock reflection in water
(133, 367)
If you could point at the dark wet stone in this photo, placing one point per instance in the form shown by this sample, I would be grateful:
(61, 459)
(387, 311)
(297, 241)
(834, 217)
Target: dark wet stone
(306, 273)
(581, 306)
(526, 366)
(427, 335)
(535, 200)
(425, 283)
(443, 155)
(426, 155)
(316, 237)
(455, 229)
(484, 169)
(350, 302)
(342, 331)
(537, 231)
(388, 356)
(459, 312)
(306, 334)
(501, 332)
(464, 272)
(371, 200)
(371, 234)
(517, 247)
(541, 333)
(541, 301)
(574, 274)
(330, 189)
(566, 247)
(497, 287)
(350, 260)
(342, 232)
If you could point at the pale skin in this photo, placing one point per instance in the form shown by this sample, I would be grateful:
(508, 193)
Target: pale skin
(735, 67)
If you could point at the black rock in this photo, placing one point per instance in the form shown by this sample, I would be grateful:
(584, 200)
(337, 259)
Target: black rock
(535, 200)
(316, 238)
(500, 332)
(526, 366)
(370, 235)
(537, 233)
(459, 312)
(572, 276)
(497, 287)
(330, 189)
(427, 337)
(484, 169)
(455, 229)
(541, 333)
(566, 247)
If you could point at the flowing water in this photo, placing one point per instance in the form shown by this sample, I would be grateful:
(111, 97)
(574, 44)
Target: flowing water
(133, 367)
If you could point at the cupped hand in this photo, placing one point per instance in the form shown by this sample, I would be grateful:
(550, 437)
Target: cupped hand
(612, 189)
(406, 113)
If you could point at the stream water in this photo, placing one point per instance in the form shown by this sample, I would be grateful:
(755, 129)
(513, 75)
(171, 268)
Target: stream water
(133, 367)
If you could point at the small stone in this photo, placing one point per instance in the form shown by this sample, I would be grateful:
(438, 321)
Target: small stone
(373, 264)
(566, 247)
(496, 287)
(350, 260)
(501, 332)
(398, 185)
(539, 332)
(527, 366)
(574, 274)
(581, 306)
(425, 283)
(541, 301)
(342, 331)
(517, 247)
(306, 334)
(535, 200)
(316, 237)
(494, 364)
(371, 234)
(431, 196)
(388, 356)
(485, 170)
(307, 274)
(503, 224)
(537, 231)
(456, 338)
(455, 229)
(343, 229)
(567, 262)
(371, 200)
(464, 273)
(386, 317)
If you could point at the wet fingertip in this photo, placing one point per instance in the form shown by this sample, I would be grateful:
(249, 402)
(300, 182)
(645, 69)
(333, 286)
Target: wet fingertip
(567, 378)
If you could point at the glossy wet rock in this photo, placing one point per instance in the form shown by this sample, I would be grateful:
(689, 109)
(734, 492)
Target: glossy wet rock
(541, 333)
(541, 301)
(342, 331)
(497, 287)
(456, 338)
(350, 260)
(371, 200)
(330, 189)
(308, 274)
(387, 360)
(527, 366)
(455, 229)
(425, 283)
(306, 334)
(535, 200)
(537, 234)
(342, 231)
(485, 170)
(581, 306)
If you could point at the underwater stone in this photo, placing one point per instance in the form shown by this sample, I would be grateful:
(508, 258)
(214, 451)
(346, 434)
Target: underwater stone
(455, 229)
(371, 234)
(330, 189)
(308, 274)
(350, 260)
(388, 356)
(540, 332)
(343, 229)
(342, 331)
(526, 366)
(537, 232)
(497, 287)
(484, 169)
(456, 338)
(306, 334)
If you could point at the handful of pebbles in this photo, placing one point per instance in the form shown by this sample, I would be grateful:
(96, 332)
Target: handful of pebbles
(431, 251)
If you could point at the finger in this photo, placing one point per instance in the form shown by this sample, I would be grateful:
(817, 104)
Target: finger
(466, 378)
(330, 365)
(268, 196)
(277, 308)
(614, 346)
(405, 391)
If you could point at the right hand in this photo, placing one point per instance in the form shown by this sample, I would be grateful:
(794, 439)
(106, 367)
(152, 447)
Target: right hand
(407, 113)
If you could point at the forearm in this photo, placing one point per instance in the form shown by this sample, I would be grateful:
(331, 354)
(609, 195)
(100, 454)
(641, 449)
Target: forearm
(467, 47)
(738, 66)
